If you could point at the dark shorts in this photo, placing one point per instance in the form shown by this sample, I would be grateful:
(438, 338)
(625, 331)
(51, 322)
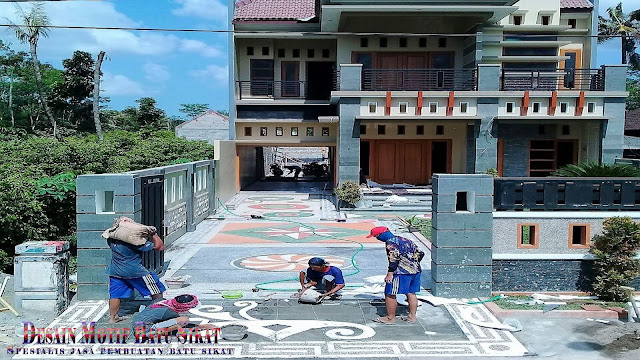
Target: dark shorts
(147, 285)
(403, 284)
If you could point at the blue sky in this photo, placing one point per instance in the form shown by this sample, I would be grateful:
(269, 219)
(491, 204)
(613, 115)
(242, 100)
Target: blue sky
(172, 67)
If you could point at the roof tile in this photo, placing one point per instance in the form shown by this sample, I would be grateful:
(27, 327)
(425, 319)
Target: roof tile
(575, 4)
(252, 10)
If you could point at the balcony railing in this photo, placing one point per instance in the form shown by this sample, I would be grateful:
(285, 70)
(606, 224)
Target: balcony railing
(269, 89)
(549, 194)
(572, 79)
(419, 79)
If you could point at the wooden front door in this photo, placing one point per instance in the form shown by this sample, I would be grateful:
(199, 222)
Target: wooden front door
(290, 79)
(408, 161)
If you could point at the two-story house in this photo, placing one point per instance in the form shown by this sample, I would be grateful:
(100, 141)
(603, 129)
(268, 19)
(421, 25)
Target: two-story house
(403, 89)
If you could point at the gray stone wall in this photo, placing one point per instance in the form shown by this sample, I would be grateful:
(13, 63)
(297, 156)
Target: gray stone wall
(461, 253)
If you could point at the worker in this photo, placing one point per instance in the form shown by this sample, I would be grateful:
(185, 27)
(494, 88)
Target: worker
(293, 168)
(323, 277)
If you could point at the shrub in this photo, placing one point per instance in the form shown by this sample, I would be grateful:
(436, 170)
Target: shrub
(592, 169)
(6, 261)
(614, 251)
(493, 172)
(348, 192)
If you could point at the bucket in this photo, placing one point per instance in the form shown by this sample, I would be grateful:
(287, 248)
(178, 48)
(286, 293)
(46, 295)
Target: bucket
(310, 296)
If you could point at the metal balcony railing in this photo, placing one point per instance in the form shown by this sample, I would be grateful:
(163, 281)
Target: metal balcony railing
(558, 79)
(270, 89)
(419, 79)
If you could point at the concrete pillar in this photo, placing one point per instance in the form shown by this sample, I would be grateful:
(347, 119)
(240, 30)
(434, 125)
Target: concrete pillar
(486, 147)
(614, 110)
(350, 77)
(349, 140)
(488, 77)
(93, 253)
(42, 275)
(462, 235)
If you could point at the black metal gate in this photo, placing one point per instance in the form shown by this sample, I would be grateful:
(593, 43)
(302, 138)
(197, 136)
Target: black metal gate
(153, 215)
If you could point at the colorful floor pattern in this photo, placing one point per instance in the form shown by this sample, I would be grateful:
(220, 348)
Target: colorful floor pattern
(286, 262)
(265, 232)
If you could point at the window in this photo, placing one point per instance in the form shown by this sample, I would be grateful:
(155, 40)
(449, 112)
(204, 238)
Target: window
(439, 129)
(325, 53)
(247, 130)
(265, 50)
(363, 129)
(545, 156)
(403, 107)
(464, 107)
(566, 130)
(516, 20)
(564, 107)
(579, 236)
(420, 130)
(383, 42)
(591, 107)
(173, 189)
(281, 53)
(295, 53)
(401, 129)
(104, 202)
(311, 53)
(249, 50)
(403, 42)
(433, 107)
(422, 42)
(310, 131)
(536, 108)
(294, 131)
(181, 181)
(325, 131)
(382, 129)
(461, 201)
(364, 42)
(373, 107)
(573, 23)
(442, 42)
(528, 235)
(261, 71)
(510, 107)
(263, 131)
(279, 131)
(545, 19)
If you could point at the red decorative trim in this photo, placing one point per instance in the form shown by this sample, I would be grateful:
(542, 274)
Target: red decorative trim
(419, 107)
(580, 106)
(553, 103)
(450, 103)
(387, 109)
(525, 104)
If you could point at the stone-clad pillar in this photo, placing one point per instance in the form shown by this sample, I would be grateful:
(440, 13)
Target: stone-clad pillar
(461, 254)
(349, 128)
(614, 111)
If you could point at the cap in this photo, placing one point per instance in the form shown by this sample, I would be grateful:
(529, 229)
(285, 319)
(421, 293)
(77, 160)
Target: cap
(377, 231)
(317, 261)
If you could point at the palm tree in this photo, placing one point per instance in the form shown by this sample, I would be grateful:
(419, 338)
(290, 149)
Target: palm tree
(35, 24)
(625, 26)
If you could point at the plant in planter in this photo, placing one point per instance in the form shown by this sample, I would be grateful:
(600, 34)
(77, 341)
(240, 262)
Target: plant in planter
(615, 265)
(493, 172)
(348, 193)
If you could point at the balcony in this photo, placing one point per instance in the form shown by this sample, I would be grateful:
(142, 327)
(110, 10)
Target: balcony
(269, 89)
(555, 79)
(419, 79)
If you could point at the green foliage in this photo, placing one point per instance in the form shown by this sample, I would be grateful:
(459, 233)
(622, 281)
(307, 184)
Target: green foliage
(193, 110)
(58, 186)
(348, 192)
(624, 26)
(633, 87)
(592, 169)
(6, 261)
(423, 225)
(493, 172)
(615, 264)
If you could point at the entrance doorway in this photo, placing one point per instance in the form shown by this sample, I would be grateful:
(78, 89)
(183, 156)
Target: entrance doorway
(405, 161)
(319, 80)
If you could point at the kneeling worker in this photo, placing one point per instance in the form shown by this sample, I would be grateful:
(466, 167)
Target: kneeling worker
(323, 277)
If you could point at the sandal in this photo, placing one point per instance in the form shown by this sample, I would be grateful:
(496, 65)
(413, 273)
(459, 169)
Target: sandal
(380, 320)
(407, 319)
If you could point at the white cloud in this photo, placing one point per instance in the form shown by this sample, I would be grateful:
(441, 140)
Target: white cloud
(199, 47)
(120, 85)
(215, 72)
(207, 9)
(156, 73)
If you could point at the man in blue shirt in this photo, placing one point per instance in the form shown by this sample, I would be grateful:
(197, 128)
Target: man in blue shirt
(323, 277)
(126, 273)
(403, 274)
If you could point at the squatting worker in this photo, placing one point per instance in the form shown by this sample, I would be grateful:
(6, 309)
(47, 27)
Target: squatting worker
(126, 273)
(322, 276)
(403, 274)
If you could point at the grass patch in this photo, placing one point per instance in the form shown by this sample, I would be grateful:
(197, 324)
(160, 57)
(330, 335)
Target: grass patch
(423, 225)
(504, 303)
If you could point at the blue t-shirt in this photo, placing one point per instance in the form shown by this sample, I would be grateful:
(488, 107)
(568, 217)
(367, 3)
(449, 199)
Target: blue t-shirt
(126, 259)
(317, 275)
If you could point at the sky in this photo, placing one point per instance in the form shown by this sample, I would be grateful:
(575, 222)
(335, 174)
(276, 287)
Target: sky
(172, 67)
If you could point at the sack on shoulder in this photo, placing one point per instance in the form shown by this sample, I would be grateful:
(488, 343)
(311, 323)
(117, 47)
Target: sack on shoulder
(129, 231)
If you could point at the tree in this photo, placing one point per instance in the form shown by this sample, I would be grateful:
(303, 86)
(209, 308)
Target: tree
(36, 24)
(72, 98)
(10, 64)
(223, 112)
(148, 114)
(625, 26)
(633, 87)
(193, 110)
(96, 95)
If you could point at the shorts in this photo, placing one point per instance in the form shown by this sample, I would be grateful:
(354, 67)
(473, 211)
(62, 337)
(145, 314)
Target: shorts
(403, 284)
(147, 285)
(322, 284)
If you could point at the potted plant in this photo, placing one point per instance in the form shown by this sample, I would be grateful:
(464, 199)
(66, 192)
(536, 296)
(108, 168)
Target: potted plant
(348, 193)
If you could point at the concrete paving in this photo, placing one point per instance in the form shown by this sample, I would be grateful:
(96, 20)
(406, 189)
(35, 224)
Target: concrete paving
(238, 252)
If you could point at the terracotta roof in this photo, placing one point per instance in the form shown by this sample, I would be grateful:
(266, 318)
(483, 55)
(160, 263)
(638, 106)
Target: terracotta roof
(252, 10)
(575, 4)
(632, 120)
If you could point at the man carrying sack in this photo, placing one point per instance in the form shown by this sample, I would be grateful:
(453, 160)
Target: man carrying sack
(128, 240)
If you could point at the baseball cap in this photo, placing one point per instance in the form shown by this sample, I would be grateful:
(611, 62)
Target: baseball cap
(317, 261)
(377, 231)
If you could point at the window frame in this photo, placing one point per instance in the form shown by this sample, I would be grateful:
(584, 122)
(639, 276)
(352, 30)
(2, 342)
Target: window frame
(383, 128)
(279, 131)
(595, 106)
(466, 107)
(311, 131)
(404, 130)
(375, 106)
(513, 107)
(325, 131)
(248, 131)
(265, 132)
(566, 105)
(587, 236)
(294, 131)
(433, 110)
(536, 236)
(406, 107)
(514, 17)
(533, 107)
